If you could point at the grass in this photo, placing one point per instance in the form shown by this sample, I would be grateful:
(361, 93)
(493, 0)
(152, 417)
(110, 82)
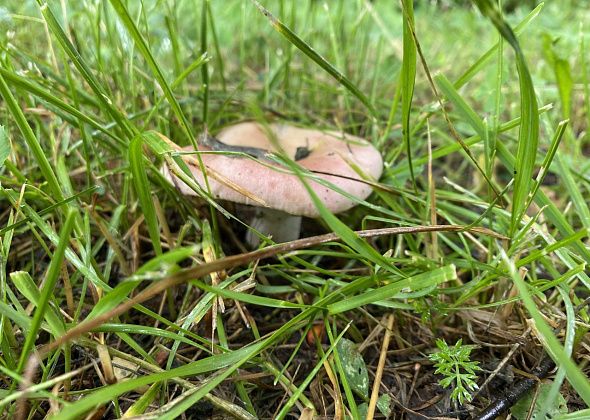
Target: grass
(107, 272)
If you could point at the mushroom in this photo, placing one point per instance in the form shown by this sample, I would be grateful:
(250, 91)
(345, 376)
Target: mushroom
(331, 155)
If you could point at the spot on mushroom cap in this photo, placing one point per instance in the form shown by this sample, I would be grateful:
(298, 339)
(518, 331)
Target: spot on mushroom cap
(330, 153)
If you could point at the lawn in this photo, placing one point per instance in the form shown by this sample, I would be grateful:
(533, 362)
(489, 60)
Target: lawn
(457, 289)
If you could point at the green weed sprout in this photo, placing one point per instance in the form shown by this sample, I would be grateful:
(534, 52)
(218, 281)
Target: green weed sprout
(458, 371)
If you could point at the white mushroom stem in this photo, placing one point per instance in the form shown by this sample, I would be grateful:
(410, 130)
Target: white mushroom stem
(280, 226)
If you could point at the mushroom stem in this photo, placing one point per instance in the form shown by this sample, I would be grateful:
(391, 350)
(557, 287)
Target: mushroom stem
(280, 226)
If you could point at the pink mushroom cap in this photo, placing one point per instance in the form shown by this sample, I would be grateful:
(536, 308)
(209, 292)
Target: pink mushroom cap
(330, 153)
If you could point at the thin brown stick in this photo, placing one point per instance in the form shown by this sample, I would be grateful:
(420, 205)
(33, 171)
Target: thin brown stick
(380, 366)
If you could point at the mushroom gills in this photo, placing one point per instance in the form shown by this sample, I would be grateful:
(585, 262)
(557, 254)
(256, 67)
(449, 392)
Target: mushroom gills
(280, 226)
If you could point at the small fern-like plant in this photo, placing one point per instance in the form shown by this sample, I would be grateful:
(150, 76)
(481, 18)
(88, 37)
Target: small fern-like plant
(458, 370)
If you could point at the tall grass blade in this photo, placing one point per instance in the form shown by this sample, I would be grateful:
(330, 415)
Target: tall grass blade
(142, 187)
(408, 79)
(528, 136)
(552, 213)
(25, 284)
(31, 140)
(317, 58)
(53, 274)
(74, 55)
(21, 82)
(585, 76)
(204, 68)
(143, 48)
(564, 168)
(487, 56)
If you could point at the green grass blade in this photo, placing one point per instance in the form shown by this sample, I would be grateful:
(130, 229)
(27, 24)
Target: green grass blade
(564, 168)
(49, 209)
(419, 281)
(249, 298)
(144, 402)
(143, 48)
(142, 188)
(348, 235)
(42, 93)
(408, 79)
(31, 140)
(551, 152)
(574, 375)
(552, 212)
(83, 68)
(585, 75)
(205, 68)
(113, 298)
(452, 148)
(487, 56)
(528, 136)
(19, 318)
(168, 260)
(25, 284)
(48, 286)
(4, 146)
(538, 253)
(45, 228)
(461, 106)
(563, 74)
(310, 377)
(219, 56)
(142, 329)
(317, 58)
(577, 415)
